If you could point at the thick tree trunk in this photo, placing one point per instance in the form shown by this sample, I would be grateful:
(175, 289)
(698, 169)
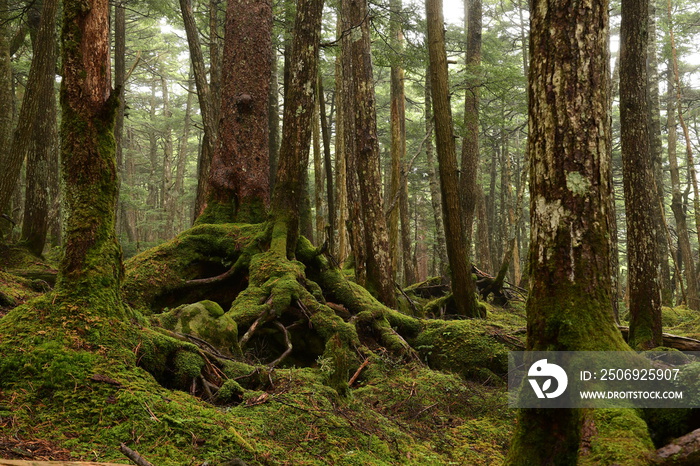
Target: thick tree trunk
(656, 150)
(44, 137)
(641, 202)
(239, 175)
(435, 196)
(366, 154)
(296, 127)
(91, 267)
(470, 145)
(273, 113)
(463, 287)
(6, 99)
(125, 219)
(569, 306)
(400, 239)
(41, 71)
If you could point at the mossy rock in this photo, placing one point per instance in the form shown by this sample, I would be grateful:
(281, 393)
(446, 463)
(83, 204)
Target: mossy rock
(205, 320)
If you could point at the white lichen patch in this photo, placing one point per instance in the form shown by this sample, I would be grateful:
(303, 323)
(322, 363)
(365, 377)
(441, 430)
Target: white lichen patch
(577, 184)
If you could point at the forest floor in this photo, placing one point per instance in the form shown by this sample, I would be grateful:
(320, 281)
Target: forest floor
(447, 406)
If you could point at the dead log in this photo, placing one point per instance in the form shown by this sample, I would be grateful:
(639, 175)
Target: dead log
(670, 341)
(683, 451)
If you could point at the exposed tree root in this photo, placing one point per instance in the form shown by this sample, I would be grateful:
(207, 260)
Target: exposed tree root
(294, 310)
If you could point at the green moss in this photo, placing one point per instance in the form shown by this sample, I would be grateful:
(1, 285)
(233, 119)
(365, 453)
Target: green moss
(620, 437)
(188, 365)
(466, 347)
(205, 320)
(230, 392)
(161, 272)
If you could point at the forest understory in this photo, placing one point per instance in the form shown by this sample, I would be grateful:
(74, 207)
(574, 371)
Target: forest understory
(230, 351)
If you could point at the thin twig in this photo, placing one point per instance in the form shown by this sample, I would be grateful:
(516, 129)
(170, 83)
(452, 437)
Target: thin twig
(134, 456)
(355, 376)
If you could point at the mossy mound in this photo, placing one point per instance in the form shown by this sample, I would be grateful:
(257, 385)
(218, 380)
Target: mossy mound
(204, 320)
(467, 347)
(617, 436)
(170, 274)
(674, 316)
(19, 262)
(16, 290)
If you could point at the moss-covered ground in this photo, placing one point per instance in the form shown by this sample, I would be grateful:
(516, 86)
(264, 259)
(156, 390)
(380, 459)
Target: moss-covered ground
(364, 384)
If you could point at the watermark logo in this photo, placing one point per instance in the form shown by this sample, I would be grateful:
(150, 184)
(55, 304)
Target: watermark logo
(543, 369)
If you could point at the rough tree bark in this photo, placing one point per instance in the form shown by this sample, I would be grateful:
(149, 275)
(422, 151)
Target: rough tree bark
(470, 144)
(296, 127)
(239, 175)
(43, 138)
(569, 305)
(686, 252)
(6, 100)
(641, 203)
(366, 154)
(327, 165)
(168, 155)
(435, 197)
(206, 108)
(656, 150)
(463, 287)
(91, 267)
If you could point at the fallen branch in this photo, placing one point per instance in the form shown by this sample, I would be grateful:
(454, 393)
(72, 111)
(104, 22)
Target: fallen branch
(134, 456)
(354, 377)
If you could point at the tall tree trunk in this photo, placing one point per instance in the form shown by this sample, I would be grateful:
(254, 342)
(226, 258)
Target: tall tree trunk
(463, 287)
(124, 216)
(569, 305)
(641, 203)
(327, 165)
(470, 145)
(399, 178)
(43, 145)
(273, 113)
(40, 71)
(167, 186)
(296, 126)
(206, 107)
(6, 101)
(319, 220)
(366, 154)
(91, 268)
(239, 180)
(435, 196)
(342, 127)
(685, 250)
(656, 150)
(153, 199)
(482, 253)
(179, 187)
(692, 175)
